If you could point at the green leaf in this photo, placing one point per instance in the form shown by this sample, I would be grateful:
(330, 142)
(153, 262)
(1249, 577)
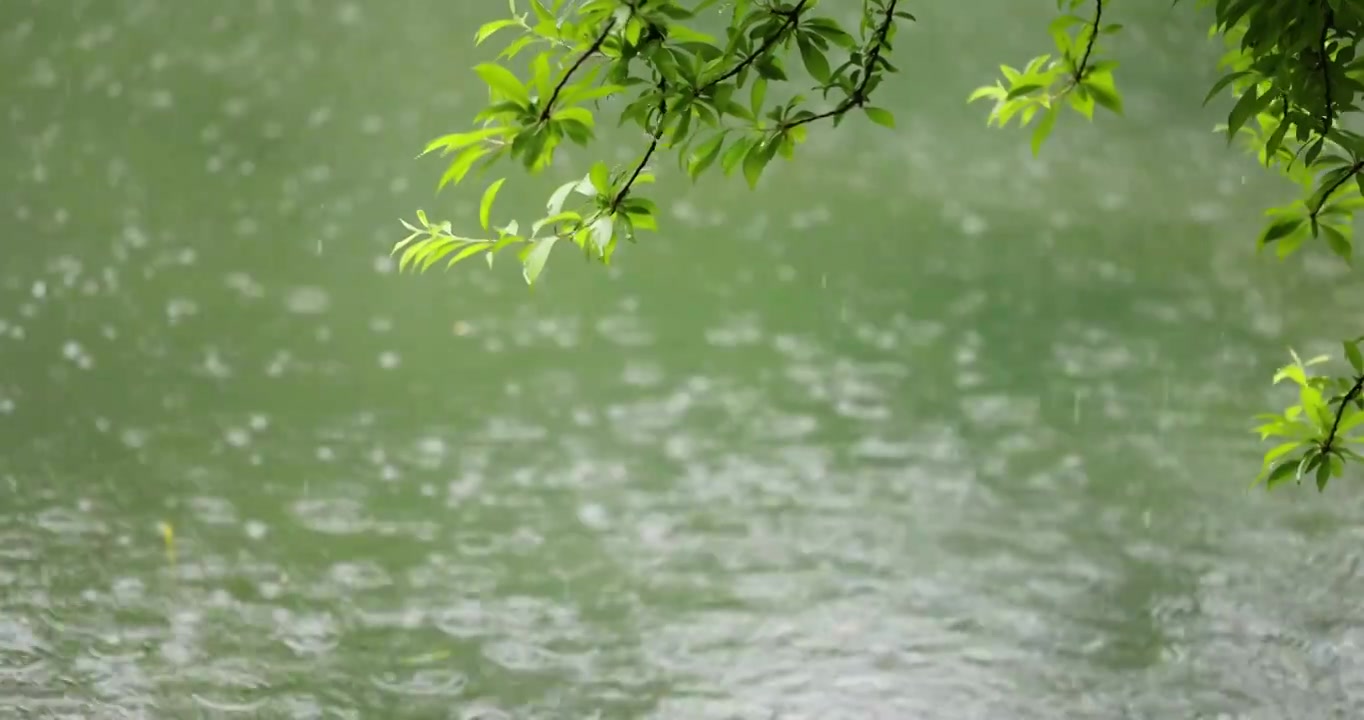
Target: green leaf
(601, 178)
(488, 29)
(455, 141)
(1020, 90)
(815, 62)
(461, 165)
(533, 261)
(1275, 142)
(735, 155)
(469, 251)
(1323, 474)
(502, 82)
(1249, 104)
(1043, 129)
(1336, 240)
(542, 13)
(485, 206)
(1223, 82)
(1352, 353)
(757, 94)
(576, 114)
(1100, 85)
(1282, 473)
(756, 160)
(880, 116)
(995, 92)
(1280, 451)
(603, 228)
(704, 155)
(830, 30)
(1280, 229)
(540, 74)
(1351, 420)
(566, 216)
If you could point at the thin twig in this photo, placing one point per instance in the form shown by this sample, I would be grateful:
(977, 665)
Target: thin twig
(791, 19)
(858, 97)
(1328, 116)
(591, 50)
(1354, 170)
(655, 137)
(1093, 36)
(1340, 413)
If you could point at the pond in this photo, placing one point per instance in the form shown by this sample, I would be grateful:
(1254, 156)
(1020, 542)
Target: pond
(923, 427)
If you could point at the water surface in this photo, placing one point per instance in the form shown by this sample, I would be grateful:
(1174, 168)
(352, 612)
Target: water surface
(923, 428)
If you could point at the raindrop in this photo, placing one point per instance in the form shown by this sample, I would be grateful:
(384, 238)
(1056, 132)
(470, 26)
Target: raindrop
(237, 437)
(255, 529)
(308, 300)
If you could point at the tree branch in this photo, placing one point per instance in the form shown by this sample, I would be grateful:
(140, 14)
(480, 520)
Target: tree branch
(791, 19)
(591, 50)
(1354, 170)
(648, 153)
(657, 136)
(1340, 413)
(1328, 116)
(858, 97)
(1093, 37)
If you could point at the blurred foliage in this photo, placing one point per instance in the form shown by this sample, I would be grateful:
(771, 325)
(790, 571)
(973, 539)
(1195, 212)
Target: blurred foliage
(740, 100)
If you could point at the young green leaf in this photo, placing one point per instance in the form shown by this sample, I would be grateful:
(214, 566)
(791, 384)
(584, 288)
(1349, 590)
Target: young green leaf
(485, 206)
(534, 257)
(1280, 229)
(880, 116)
(487, 29)
(502, 82)
(704, 155)
(756, 160)
(1352, 353)
(601, 178)
(1043, 128)
(815, 62)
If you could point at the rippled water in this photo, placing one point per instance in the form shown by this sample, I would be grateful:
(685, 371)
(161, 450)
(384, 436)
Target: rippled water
(922, 429)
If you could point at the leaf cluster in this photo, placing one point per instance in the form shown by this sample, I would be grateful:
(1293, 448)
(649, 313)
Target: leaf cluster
(1072, 76)
(1291, 66)
(704, 100)
(1315, 434)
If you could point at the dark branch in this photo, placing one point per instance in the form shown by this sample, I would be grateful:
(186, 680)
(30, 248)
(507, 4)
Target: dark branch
(591, 50)
(1354, 170)
(858, 97)
(1093, 37)
(655, 138)
(1340, 413)
(791, 19)
(1328, 114)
